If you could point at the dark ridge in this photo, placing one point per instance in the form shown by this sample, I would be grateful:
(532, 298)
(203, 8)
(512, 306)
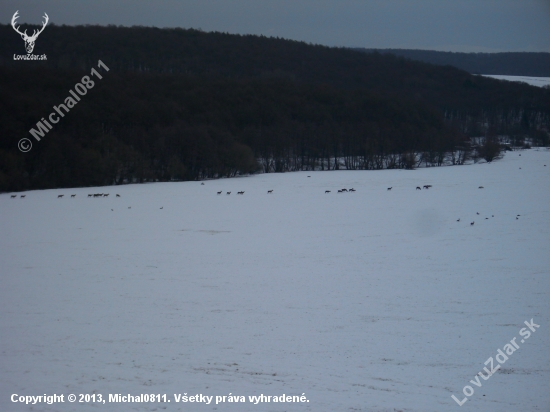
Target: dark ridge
(507, 64)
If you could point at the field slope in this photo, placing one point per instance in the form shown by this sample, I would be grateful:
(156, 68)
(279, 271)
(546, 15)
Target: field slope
(374, 300)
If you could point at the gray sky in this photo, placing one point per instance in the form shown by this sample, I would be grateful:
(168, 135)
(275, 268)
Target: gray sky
(448, 25)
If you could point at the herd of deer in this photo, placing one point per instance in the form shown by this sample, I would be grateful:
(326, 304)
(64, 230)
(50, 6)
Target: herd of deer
(240, 193)
(477, 213)
(90, 195)
(99, 195)
(339, 190)
(417, 187)
(269, 192)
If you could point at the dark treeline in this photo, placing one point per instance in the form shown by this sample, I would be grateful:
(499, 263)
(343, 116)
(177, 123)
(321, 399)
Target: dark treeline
(135, 127)
(182, 104)
(508, 63)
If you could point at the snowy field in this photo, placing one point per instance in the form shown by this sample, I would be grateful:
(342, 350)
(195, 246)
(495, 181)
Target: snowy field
(533, 81)
(374, 300)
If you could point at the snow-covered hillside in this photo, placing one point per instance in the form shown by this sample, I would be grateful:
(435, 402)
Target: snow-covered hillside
(533, 81)
(374, 300)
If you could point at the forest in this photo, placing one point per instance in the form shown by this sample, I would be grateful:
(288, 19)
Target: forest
(181, 104)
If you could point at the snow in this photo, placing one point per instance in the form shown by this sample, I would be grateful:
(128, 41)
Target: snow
(375, 300)
(533, 81)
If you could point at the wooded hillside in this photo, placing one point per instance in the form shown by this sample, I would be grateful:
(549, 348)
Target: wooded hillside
(183, 104)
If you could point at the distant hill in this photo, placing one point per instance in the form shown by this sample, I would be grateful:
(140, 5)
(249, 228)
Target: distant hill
(510, 64)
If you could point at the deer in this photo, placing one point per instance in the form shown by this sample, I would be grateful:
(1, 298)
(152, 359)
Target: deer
(481, 187)
(339, 191)
(390, 188)
(90, 195)
(270, 191)
(228, 193)
(471, 224)
(73, 195)
(418, 188)
(220, 192)
(105, 194)
(344, 190)
(240, 193)
(22, 196)
(327, 191)
(427, 186)
(60, 196)
(352, 190)
(13, 196)
(29, 40)
(117, 195)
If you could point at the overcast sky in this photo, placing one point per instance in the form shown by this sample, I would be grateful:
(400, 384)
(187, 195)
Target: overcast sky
(449, 25)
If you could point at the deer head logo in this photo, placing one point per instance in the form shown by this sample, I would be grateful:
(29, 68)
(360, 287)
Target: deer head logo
(29, 40)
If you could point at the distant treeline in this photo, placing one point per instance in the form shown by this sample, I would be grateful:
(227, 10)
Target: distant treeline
(509, 63)
(182, 104)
